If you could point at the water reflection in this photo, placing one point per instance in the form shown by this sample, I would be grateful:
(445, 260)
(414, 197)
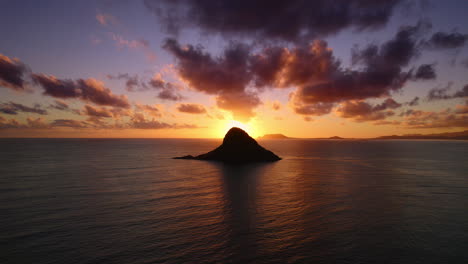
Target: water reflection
(240, 185)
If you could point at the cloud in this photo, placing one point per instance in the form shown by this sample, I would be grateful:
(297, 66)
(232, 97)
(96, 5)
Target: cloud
(59, 105)
(137, 121)
(70, 123)
(10, 124)
(138, 44)
(97, 112)
(227, 73)
(442, 40)
(462, 109)
(152, 110)
(89, 90)
(276, 105)
(284, 20)
(226, 76)
(12, 108)
(191, 108)
(140, 122)
(316, 109)
(389, 103)
(362, 111)
(122, 42)
(167, 90)
(444, 119)
(241, 105)
(320, 78)
(12, 73)
(386, 122)
(171, 95)
(38, 123)
(31, 123)
(442, 93)
(317, 75)
(267, 65)
(413, 102)
(425, 72)
(106, 19)
(133, 83)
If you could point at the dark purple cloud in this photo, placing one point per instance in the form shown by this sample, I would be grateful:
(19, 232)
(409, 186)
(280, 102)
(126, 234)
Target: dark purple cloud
(266, 66)
(443, 93)
(362, 111)
(442, 40)
(413, 102)
(226, 76)
(12, 73)
(167, 90)
(320, 78)
(12, 108)
(132, 82)
(425, 72)
(171, 95)
(273, 19)
(89, 90)
(313, 69)
(59, 105)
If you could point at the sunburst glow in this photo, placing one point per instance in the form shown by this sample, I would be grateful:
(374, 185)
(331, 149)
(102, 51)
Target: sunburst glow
(247, 127)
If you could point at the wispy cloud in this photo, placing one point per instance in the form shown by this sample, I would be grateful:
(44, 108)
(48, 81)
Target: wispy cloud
(106, 19)
(135, 44)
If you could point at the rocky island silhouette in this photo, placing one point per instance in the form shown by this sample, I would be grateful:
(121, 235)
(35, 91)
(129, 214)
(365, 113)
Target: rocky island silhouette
(237, 147)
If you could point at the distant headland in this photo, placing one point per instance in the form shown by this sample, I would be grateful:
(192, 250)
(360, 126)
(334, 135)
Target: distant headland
(237, 147)
(273, 136)
(461, 135)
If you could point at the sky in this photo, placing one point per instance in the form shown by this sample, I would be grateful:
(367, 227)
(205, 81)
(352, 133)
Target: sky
(194, 69)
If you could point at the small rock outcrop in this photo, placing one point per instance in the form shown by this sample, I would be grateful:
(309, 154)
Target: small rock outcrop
(237, 147)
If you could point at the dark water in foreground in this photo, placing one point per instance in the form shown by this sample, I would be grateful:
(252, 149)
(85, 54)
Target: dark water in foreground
(126, 201)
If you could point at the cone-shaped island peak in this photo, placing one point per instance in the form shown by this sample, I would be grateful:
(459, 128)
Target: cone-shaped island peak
(237, 147)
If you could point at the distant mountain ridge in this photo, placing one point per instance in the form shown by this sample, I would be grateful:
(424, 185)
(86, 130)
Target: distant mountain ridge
(460, 135)
(450, 135)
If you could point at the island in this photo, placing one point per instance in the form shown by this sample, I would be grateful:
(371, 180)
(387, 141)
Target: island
(273, 136)
(237, 147)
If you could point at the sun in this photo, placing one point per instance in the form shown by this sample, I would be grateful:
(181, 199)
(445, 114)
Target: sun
(234, 123)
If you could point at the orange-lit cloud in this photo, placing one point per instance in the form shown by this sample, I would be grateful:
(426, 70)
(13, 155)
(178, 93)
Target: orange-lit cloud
(191, 108)
(12, 73)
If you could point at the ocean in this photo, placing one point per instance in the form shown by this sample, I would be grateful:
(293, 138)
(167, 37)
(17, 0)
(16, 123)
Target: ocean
(327, 201)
